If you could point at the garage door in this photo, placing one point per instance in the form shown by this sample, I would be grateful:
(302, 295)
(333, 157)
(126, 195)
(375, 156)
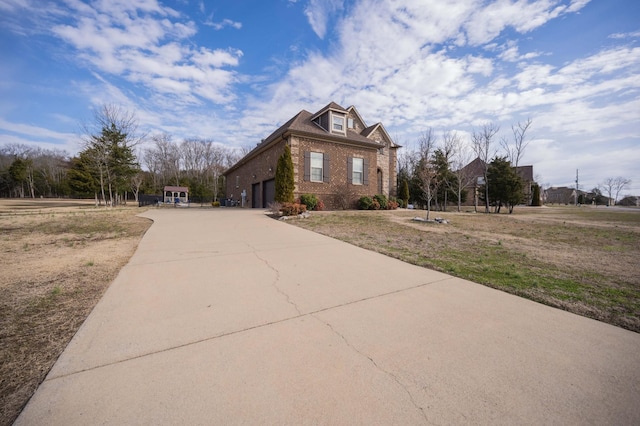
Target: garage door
(268, 192)
(255, 195)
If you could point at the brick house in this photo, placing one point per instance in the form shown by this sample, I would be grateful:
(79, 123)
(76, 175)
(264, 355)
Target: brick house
(336, 156)
(474, 174)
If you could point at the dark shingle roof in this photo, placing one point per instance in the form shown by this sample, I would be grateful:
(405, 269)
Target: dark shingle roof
(301, 124)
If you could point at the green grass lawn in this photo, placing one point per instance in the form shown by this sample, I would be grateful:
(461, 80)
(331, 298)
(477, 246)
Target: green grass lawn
(584, 260)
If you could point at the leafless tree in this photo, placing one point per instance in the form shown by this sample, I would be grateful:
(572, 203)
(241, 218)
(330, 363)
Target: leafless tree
(427, 174)
(615, 186)
(482, 141)
(163, 159)
(136, 183)
(515, 151)
(450, 142)
(109, 115)
(462, 155)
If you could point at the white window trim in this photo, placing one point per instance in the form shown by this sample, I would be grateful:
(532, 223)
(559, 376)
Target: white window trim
(342, 118)
(321, 168)
(359, 173)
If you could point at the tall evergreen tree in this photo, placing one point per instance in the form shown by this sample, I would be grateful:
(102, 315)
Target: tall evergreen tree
(285, 183)
(18, 175)
(535, 197)
(404, 192)
(505, 186)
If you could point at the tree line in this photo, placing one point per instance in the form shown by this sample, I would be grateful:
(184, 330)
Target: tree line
(116, 161)
(434, 175)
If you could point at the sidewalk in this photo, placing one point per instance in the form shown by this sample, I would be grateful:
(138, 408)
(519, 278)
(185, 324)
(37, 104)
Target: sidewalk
(228, 317)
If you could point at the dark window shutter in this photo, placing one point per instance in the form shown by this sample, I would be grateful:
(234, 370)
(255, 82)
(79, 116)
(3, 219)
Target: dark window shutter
(325, 168)
(365, 172)
(307, 166)
(349, 169)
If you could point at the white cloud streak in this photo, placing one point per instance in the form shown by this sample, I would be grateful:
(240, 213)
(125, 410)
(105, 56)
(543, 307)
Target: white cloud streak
(144, 43)
(320, 12)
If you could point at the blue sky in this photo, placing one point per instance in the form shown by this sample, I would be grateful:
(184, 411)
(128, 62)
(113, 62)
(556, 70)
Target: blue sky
(233, 71)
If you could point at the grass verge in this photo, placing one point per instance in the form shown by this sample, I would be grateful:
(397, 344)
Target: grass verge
(583, 260)
(58, 265)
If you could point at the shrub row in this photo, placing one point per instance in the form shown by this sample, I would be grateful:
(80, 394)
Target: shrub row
(292, 209)
(377, 202)
(312, 202)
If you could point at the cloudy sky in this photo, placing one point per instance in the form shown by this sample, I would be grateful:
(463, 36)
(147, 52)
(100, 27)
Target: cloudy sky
(233, 71)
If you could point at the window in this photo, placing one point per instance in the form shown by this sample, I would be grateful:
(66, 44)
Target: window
(350, 124)
(316, 166)
(358, 171)
(338, 123)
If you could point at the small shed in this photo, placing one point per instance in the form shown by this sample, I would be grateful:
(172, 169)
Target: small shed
(176, 194)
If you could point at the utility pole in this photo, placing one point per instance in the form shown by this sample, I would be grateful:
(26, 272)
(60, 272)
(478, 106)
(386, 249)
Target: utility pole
(577, 186)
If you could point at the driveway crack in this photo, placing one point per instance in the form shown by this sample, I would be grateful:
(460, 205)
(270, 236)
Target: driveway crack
(275, 282)
(377, 367)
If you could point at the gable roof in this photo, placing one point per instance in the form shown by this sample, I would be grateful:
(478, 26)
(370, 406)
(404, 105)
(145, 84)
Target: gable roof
(352, 109)
(302, 124)
(176, 188)
(525, 172)
(331, 106)
(476, 168)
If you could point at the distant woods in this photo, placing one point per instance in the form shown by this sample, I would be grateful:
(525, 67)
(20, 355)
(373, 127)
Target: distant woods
(116, 163)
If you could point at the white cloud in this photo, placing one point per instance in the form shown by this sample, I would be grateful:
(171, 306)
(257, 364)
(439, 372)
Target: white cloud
(319, 12)
(35, 136)
(223, 24)
(143, 43)
(486, 23)
(401, 62)
(634, 34)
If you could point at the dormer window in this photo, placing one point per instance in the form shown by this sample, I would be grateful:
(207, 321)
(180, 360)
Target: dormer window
(337, 123)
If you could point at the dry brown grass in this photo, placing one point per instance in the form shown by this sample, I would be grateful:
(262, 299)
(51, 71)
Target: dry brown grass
(59, 257)
(583, 260)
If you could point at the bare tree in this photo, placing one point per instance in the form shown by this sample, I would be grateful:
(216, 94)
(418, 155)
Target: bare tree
(427, 173)
(461, 157)
(163, 159)
(136, 183)
(450, 142)
(615, 186)
(113, 115)
(515, 151)
(482, 141)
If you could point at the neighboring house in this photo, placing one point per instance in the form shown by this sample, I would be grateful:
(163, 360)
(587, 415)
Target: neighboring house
(176, 194)
(474, 173)
(561, 195)
(630, 200)
(336, 156)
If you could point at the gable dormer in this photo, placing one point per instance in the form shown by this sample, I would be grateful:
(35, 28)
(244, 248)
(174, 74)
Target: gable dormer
(355, 121)
(332, 119)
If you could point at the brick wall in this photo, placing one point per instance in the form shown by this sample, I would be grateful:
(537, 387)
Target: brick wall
(338, 185)
(263, 167)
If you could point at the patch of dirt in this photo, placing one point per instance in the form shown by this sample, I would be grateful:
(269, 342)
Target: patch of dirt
(51, 281)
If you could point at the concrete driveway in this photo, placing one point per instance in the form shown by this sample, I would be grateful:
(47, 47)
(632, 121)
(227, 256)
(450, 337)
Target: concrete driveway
(226, 316)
